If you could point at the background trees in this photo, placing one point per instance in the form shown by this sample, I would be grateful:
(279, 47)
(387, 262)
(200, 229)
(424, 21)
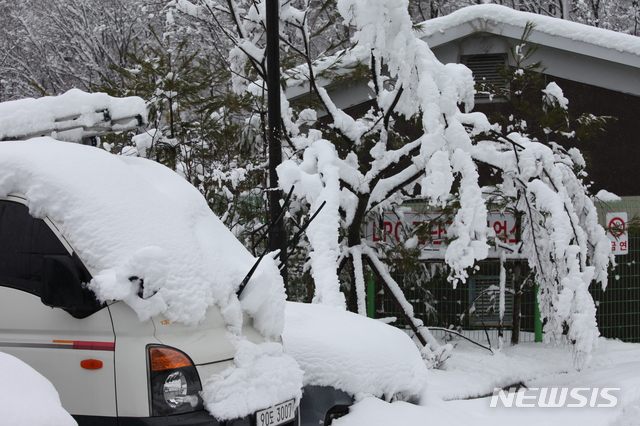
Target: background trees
(52, 46)
(49, 47)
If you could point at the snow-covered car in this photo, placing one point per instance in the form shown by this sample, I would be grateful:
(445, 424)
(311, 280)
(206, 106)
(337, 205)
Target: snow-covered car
(344, 355)
(119, 285)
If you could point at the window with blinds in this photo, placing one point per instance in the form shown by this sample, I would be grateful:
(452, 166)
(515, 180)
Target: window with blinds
(486, 69)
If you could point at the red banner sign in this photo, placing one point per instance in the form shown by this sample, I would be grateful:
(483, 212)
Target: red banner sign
(395, 229)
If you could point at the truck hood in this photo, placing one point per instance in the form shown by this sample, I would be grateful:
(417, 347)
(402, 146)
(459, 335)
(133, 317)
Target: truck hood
(148, 234)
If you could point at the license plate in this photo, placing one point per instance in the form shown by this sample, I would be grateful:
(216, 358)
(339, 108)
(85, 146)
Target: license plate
(276, 415)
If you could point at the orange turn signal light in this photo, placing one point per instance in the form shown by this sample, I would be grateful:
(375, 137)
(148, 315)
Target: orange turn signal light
(91, 364)
(167, 359)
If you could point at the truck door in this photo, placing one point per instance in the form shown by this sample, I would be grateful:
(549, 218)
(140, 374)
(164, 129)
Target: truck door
(75, 354)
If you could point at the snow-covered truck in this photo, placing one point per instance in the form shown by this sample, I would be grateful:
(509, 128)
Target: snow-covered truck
(119, 285)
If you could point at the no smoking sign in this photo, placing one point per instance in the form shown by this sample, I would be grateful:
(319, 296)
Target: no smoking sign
(617, 232)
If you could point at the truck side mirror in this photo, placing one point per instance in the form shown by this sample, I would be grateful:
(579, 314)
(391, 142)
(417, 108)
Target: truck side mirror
(62, 287)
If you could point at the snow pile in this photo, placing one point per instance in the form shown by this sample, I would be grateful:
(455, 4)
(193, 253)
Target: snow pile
(473, 372)
(370, 412)
(27, 398)
(353, 353)
(73, 109)
(607, 197)
(142, 228)
(261, 376)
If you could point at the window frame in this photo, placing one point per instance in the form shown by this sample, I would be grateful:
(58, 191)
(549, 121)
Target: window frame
(85, 273)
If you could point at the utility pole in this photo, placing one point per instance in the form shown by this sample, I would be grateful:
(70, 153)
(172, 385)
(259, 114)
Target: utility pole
(277, 236)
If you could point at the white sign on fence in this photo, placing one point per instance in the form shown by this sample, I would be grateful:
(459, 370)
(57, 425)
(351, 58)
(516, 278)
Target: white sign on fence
(617, 232)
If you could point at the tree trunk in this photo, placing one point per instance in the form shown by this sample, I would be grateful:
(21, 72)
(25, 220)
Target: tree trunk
(354, 239)
(411, 321)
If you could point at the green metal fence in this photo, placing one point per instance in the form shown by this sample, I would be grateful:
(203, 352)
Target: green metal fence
(618, 306)
(472, 306)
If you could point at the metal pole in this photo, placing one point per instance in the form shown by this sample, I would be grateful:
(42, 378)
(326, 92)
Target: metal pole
(277, 236)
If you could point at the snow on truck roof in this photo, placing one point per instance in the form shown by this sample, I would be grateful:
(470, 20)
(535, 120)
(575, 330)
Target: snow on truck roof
(127, 217)
(72, 116)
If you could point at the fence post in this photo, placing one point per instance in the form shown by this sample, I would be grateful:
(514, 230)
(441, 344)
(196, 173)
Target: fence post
(537, 321)
(517, 302)
(371, 296)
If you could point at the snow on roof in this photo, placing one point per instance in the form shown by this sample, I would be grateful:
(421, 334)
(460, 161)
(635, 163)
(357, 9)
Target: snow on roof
(57, 116)
(131, 217)
(353, 353)
(490, 13)
(543, 24)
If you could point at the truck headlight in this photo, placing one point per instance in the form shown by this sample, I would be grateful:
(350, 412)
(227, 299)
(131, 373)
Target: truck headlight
(174, 384)
(175, 389)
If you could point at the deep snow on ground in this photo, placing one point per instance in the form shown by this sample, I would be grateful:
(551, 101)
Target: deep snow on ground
(366, 357)
(452, 395)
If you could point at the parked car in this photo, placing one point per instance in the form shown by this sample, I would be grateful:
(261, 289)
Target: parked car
(343, 355)
(30, 399)
(118, 284)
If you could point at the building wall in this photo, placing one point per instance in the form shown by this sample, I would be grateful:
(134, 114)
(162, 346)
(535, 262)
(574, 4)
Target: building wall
(613, 157)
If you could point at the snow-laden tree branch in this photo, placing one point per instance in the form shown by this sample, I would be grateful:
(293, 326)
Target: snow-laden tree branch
(378, 168)
(565, 246)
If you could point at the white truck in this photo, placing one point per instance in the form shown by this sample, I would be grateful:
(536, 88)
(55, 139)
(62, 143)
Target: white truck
(119, 285)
